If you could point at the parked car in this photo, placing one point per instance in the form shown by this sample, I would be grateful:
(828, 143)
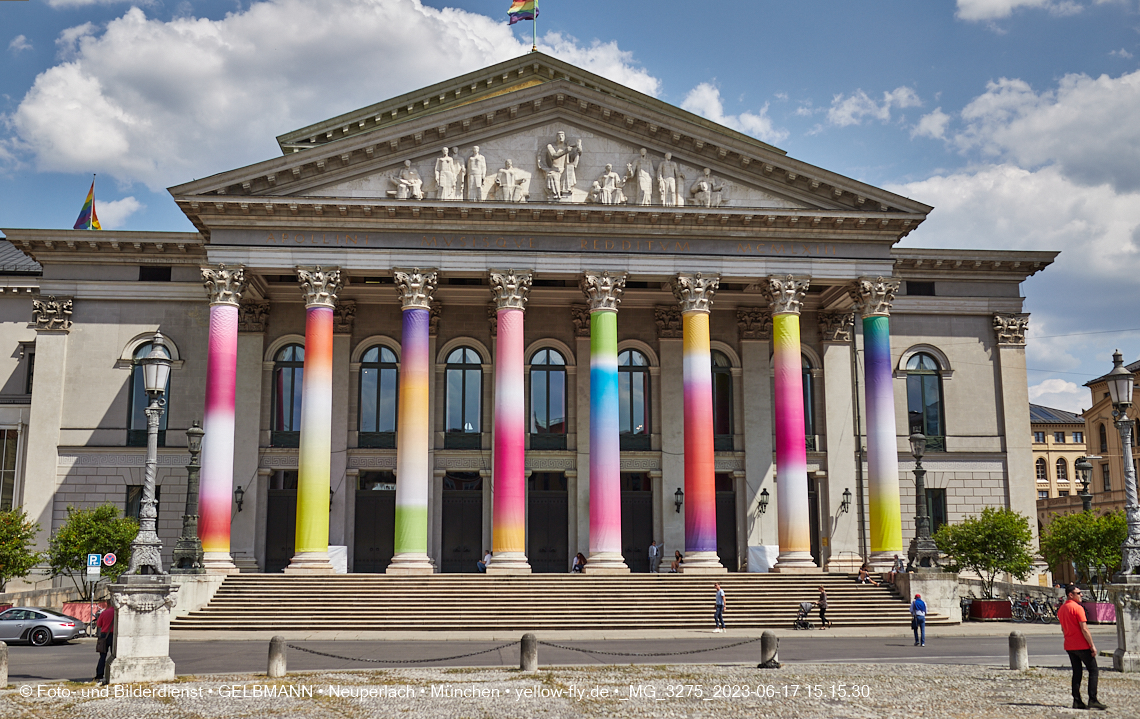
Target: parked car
(38, 626)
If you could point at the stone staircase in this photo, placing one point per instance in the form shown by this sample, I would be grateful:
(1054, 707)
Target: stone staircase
(465, 602)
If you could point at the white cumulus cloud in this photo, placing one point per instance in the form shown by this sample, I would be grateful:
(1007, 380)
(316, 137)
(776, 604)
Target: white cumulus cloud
(82, 3)
(1060, 394)
(114, 214)
(705, 100)
(852, 109)
(997, 9)
(19, 44)
(932, 125)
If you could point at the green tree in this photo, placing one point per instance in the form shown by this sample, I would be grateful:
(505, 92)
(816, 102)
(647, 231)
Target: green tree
(94, 530)
(1087, 540)
(997, 541)
(17, 534)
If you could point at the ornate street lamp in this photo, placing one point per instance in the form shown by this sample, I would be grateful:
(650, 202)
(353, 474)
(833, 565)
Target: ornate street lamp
(1084, 471)
(1120, 386)
(845, 505)
(923, 553)
(146, 549)
(188, 550)
(678, 499)
(764, 499)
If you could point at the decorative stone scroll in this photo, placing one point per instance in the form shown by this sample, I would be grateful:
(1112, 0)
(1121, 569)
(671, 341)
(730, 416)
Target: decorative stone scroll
(493, 319)
(344, 316)
(694, 292)
(433, 318)
(873, 297)
(668, 319)
(224, 285)
(603, 291)
(319, 286)
(786, 294)
(509, 289)
(580, 316)
(836, 326)
(51, 314)
(754, 323)
(146, 601)
(415, 287)
(253, 316)
(1010, 328)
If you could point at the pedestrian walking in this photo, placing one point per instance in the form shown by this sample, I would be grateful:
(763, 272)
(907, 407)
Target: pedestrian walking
(918, 620)
(654, 557)
(1079, 646)
(718, 616)
(105, 626)
(822, 604)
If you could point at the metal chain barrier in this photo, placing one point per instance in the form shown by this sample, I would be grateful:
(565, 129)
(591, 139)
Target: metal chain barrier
(402, 661)
(650, 654)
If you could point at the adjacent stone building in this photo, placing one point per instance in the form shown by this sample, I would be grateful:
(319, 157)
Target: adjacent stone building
(1058, 442)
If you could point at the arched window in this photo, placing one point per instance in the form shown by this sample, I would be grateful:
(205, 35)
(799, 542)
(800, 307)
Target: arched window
(722, 402)
(809, 414)
(288, 372)
(1042, 471)
(379, 382)
(1103, 439)
(1062, 470)
(136, 421)
(924, 400)
(464, 399)
(633, 400)
(547, 400)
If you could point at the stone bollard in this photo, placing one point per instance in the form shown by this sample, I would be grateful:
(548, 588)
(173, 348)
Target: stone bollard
(276, 657)
(769, 646)
(528, 653)
(1018, 652)
(3, 665)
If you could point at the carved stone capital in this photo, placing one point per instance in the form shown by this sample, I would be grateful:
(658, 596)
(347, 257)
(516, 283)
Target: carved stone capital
(694, 292)
(253, 316)
(510, 288)
(603, 291)
(873, 297)
(144, 599)
(786, 294)
(754, 323)
(319, 286)
(53, 313)
(433, 319)
(415, 287)
(344, 315)
(1010, 328)
(580, 316)
(493, 318)
(836, 326)
(224, 285)
(668, 319)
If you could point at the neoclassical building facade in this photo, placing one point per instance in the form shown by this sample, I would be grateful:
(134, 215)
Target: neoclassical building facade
(530, 311)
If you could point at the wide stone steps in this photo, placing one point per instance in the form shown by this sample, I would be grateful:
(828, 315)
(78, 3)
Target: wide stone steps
(376, 602)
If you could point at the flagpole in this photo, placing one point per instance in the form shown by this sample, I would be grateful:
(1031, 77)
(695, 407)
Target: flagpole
(534, 29)
(92, 215)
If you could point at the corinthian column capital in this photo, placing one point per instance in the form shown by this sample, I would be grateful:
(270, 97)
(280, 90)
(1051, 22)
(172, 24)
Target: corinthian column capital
(603, 290)
(415, 287)
(509, 289)
(1010, 328)
(786, 294)
(873, 297)
(224, 285)
(319, 286)
(694, 292)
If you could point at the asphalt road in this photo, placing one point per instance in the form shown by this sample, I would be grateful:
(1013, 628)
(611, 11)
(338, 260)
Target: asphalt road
(76, 660)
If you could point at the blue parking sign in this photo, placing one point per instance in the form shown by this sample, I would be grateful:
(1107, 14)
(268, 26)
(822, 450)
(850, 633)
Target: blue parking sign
(94, 560)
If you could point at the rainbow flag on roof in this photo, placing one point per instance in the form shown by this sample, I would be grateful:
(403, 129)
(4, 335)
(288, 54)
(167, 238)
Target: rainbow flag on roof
(522, 10)
(88, 220)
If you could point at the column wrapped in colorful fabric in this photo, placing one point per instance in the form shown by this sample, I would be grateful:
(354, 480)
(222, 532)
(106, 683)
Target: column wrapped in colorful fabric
(413, 430)
(786, 295)
(314, 458)
(508, 535)
(873, 298)
(224, 286)
(694, 293)
(603, 293)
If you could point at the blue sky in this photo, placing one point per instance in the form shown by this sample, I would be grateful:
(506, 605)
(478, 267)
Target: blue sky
(1015, 119)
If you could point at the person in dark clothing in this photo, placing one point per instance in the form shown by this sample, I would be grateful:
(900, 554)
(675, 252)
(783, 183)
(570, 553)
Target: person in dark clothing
(105, 623)
(822, 604)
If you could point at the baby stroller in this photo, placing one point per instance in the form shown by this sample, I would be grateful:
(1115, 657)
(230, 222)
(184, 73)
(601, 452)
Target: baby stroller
(802, 618)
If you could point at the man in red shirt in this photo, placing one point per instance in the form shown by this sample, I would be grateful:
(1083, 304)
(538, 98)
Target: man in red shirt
(105, 624)
(1079, 646)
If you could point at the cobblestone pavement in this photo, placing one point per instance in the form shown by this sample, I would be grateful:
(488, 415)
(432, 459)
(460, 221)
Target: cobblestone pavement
(800, 691)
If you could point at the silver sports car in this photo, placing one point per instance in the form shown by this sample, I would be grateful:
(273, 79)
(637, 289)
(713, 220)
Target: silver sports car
(38, 626)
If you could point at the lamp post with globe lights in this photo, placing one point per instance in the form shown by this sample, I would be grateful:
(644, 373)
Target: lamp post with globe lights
(923, 553)
(1120, 385)
(146, 550)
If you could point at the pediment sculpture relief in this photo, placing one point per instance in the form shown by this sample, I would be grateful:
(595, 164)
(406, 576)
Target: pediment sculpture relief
(559, 163)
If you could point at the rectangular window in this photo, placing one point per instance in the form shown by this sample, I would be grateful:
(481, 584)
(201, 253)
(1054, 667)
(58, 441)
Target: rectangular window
(1078, 437)
(1063, 493)
(1043, 494)
(1106, 475)
(154, 274)
(1059, 437)
(134, 500)
(8, 439)
(923, 289)
(1039, 437)
(936, 508)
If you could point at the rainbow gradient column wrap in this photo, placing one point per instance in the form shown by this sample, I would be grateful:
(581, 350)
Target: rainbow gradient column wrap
(873, 298)
(603, 292)
(793, 512)
(508, 527)
(413, 428)
(314, 458)
(215, 498)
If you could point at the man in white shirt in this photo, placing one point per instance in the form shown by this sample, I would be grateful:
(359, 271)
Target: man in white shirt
(486, 560)
(654, 557)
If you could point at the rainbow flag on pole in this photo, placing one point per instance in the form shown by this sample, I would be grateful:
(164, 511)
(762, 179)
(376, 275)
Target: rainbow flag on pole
(88, 220)
(522, 10)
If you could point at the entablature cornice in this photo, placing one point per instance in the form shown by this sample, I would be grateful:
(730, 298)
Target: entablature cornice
(969, 264)
(82, 246)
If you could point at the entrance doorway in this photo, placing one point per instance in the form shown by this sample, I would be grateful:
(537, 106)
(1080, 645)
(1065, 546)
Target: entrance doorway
(813, 518)
(281, 520)
(636, 520)
(462, 522)
(375, 534)
(548, 541)
(726, 522)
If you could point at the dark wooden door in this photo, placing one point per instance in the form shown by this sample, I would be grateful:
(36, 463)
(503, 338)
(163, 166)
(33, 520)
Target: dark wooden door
(636, 529)
(813, 520)
(375, 537)
(726, 530)
(280, 529)
(548, 531)
(462, 530)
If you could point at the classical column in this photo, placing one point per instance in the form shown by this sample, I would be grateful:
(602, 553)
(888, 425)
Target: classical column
(603, 293)
(314, 458)
(873, 298)
(508, 522)
(413, 429)
(694, 294)
(786, 295)
(224, 286)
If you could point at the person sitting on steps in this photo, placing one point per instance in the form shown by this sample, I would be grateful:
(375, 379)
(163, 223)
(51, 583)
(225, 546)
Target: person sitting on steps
(579, 563)
(678, 560)
(865, 575)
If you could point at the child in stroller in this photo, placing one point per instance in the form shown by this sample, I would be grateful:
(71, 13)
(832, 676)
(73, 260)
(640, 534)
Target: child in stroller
(802, 618)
